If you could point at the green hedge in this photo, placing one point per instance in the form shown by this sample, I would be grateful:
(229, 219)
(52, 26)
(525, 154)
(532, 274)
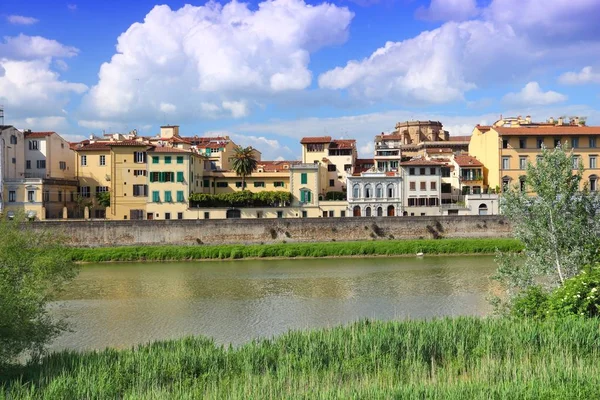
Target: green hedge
(362, 248)
(243, 198)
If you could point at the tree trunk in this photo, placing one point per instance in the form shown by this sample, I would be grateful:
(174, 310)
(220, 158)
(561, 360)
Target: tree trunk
(554, 245)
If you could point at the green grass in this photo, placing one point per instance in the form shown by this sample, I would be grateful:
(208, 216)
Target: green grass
(462, 358)
(364, 248)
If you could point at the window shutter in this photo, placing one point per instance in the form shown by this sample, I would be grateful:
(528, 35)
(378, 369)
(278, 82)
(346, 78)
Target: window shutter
(179, 176)
(308, 197)
(303, 196)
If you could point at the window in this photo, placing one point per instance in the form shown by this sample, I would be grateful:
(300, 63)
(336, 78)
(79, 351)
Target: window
(347, 167)
(33, 145)
(179, 159)
(390, 191)
(154, 176)
(168, 176)
(12, 196)
(540, 143)
(167, 215)
(30, 196)
(179, 215)
(356, 191)
(84, 191)
(432, 171)
(45, 196)
(433, 185)
(62, 165)
(522, 184)
(331, 214)
(303, 178)
(155, 160)
(102, 160)
(331, 168)
(238, 184)
(505, 162)
(140, 172)
(593, 162)
(41, 164)
(313, 147)
(83, 161)
(592, 142)
(279, 214)
(179, 176)
(167, 159)
(411, 171)
(445, 172)
(221, 184)
(379, 191)
(423, 186)
(140, 190)
(168, 197)
(331, 182)
(278, 184)
(574, 142)
(28, 164)
(304, 214)
(342, 213)
(556, 142)
(206, 184)
(575, 162)
(139, 157)
(421, 171)
(206, 215)
(14, 160)
(593, 183)
(505, 143)
(13, 139)
(305, 196)
(259, 184)
(522, 143)
(180, 196)
(368, 192)
(522, 162)
(60, 196)
(156, 196)
(101, 189)
(413, 186)
(538, 159)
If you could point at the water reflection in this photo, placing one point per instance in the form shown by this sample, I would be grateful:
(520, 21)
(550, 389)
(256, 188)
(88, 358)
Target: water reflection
(120, 305)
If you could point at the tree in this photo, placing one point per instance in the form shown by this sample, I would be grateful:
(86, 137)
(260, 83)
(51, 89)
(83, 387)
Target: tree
(103, 199)
(244, 162)
(557, 221)
(33, 268)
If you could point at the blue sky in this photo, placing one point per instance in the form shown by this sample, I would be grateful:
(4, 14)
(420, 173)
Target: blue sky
(269, 73)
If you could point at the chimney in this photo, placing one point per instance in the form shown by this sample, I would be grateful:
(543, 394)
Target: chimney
(551, 120)
(560, 120)
(528, 119)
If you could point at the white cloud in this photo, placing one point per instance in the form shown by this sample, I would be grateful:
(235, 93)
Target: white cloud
(586, 75)
(221, 56)
(532, 95)
(72, 7)
(448, 10)
(21, 20)
(25, 47)
(51, 123)
(167, 107)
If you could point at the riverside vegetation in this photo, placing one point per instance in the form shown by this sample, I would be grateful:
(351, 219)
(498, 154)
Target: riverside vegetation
(461, 358)
(361, 248)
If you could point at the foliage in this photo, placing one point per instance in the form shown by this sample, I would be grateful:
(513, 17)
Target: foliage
(579, 295)
(242, 198)
(557, 222)
(461, 358)
(530, 303)
(103, 199)
(359, 248)
(244, 162)
(33, 266)
(335, 196)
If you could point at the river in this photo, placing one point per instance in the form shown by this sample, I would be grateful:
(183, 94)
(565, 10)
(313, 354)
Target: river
(124, 304)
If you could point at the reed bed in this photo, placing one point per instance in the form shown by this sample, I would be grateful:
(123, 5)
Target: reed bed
(290, 250)
(456, 358)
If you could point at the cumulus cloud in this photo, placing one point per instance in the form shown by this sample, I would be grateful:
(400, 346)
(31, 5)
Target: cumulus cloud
(511, 38)
(586, 75)
(219, 55)
(25, 47)
(532, 94)
(53, 123)
(21, 20)
(448, 10)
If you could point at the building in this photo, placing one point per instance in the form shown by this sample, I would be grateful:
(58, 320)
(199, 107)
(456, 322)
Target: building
(422, 185)
(268, 176)
(416, 137)
(506, 147)
(375, 193)
(218, 150)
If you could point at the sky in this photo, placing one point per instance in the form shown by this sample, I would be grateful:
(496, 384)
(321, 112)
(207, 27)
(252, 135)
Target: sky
(269, 73)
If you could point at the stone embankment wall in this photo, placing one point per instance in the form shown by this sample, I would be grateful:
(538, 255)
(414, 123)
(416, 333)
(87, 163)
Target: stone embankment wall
(189, 232)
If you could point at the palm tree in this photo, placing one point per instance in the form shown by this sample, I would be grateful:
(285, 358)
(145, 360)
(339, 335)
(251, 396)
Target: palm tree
(244, 162)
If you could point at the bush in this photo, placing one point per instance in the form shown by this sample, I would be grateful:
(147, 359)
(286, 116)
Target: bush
(579, 295)
(333, 196)
(531, 303)
(243, 198)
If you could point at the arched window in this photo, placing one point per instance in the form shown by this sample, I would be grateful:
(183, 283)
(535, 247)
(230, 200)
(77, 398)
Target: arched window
(379, 212)
(368, 192)
(356, 191)
(483, 209)
(379, 191)
(390, 191)
(391, 211)
(368, 211)
(356, 211)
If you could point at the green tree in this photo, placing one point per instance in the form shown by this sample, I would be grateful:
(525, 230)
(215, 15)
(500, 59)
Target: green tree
(244, 162)
(103, 199)
(556, 218)
(33, 268)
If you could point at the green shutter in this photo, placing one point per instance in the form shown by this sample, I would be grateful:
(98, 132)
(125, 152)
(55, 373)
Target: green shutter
(167, 159)
(302, 196)
(179, 176)
(156, 197)
(308, 197)
(155, 160)
(151, 176)
(179, 159)
(303, 178)
(206, 184)
(180, 197)
(168, 198)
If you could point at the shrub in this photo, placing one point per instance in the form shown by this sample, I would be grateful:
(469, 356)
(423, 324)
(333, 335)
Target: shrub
(532, 303)
(579, 295)
(332, 196)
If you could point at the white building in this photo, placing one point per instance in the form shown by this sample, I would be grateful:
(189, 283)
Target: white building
(375, 194)
(422, 186)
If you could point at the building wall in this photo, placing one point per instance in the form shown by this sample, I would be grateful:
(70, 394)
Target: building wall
(485, 147)
(8, 152)
(312, 185)
(418, 193)
(235, 231)
(93, 175)
(36, 150)
(373, 180)
(232, 181)
(158, 210)
(122, 179)
(60, 151)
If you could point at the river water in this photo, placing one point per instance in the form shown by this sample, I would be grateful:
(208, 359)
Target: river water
(124, 304)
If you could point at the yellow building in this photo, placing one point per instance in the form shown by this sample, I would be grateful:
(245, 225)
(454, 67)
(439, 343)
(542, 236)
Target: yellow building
(506, 147)
(268, 176)
(218, 150)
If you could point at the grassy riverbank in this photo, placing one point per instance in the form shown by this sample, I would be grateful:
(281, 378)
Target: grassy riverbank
(463, 358)
(287, 250)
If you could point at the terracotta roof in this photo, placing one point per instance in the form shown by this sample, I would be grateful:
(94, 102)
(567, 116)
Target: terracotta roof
(388, 137)
(559, 130)
(438, 150)
(35, 135)
(127, 143)
(166, 149)
(343, 144)
(315, 139)
(483, 128)
(466, 138)
(421, 161)
(276, 166)
(92, 146)
(365, 161)
(210, 145)
(205, 139)
(465, 160)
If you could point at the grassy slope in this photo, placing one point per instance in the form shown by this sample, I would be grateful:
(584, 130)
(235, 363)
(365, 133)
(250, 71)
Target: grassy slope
(446, 359)
(363, 248)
